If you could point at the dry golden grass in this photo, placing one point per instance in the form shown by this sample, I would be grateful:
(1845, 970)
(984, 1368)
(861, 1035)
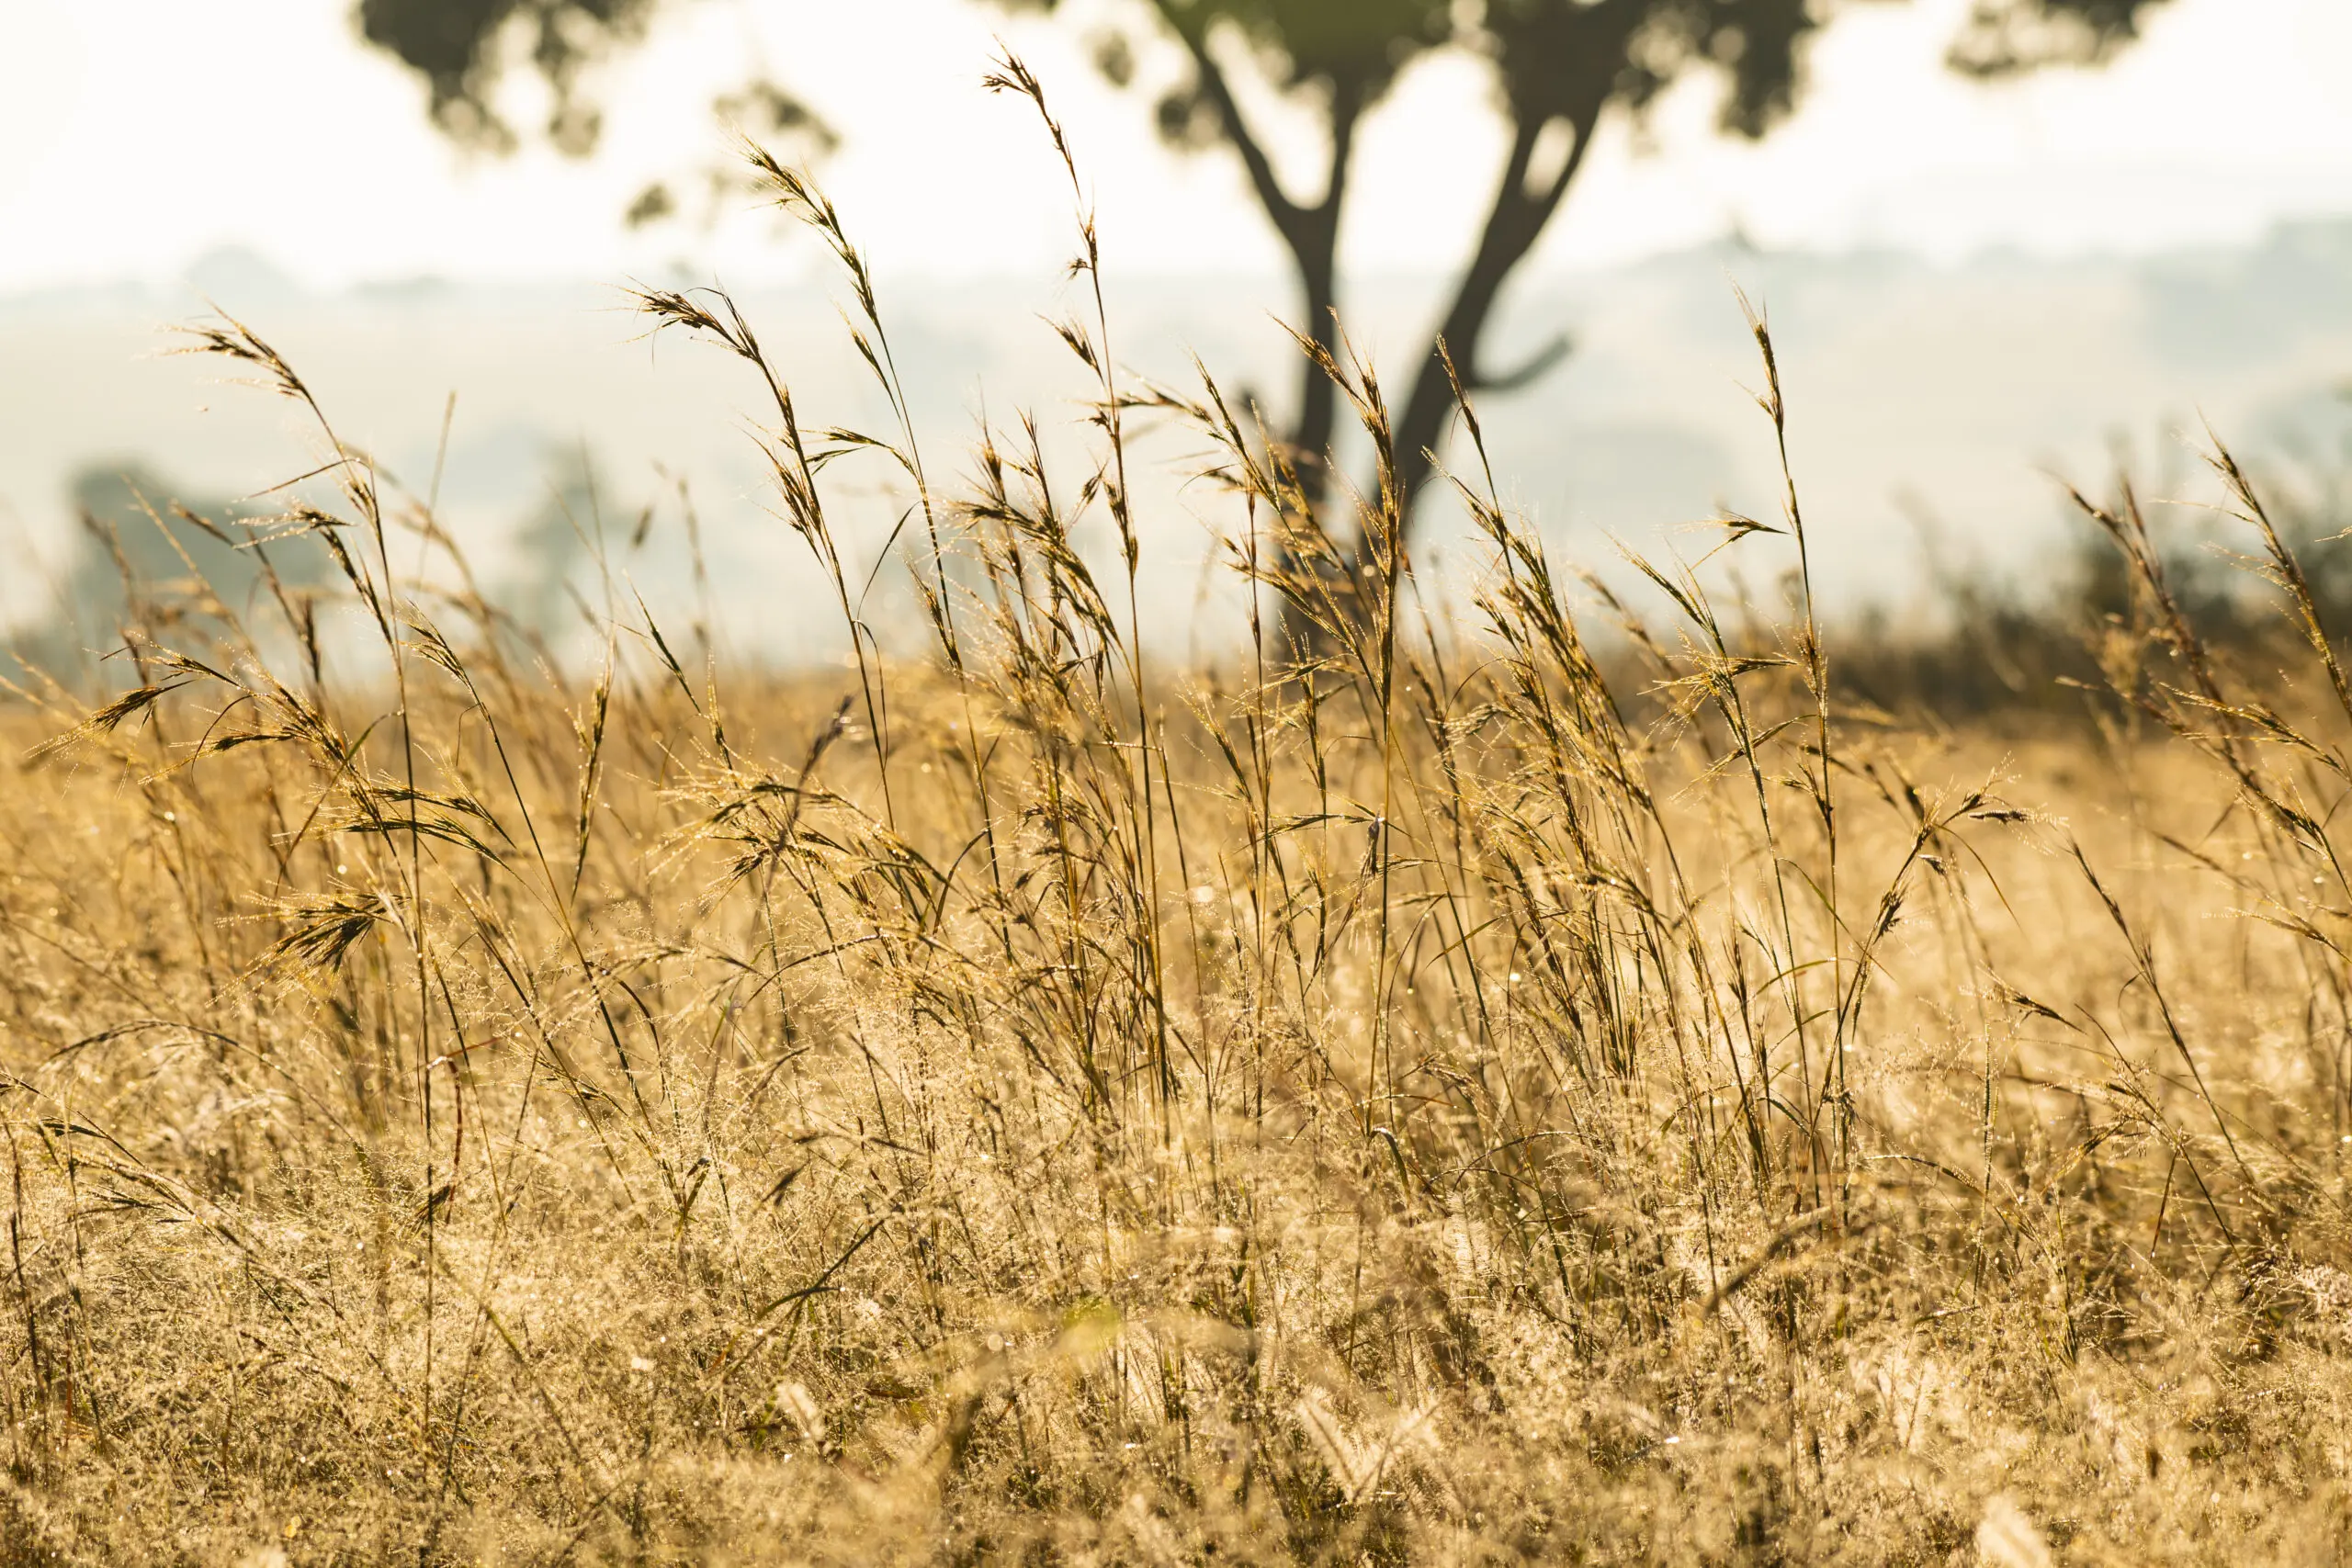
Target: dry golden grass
(1429, 1105)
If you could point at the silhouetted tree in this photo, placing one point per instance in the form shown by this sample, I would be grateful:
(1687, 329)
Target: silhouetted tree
(1559, 66)
(555, 565)
(147, 548)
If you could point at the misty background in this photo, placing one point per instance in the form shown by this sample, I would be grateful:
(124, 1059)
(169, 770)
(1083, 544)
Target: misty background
(2060, 278)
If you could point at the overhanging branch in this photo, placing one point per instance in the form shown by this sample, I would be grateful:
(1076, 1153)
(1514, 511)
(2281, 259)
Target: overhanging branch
(1288, 216)
(1537, 366)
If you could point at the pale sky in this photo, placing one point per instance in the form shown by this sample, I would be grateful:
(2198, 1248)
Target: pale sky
(136, 135)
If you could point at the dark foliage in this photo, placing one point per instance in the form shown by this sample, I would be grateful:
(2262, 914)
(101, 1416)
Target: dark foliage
(455, 46)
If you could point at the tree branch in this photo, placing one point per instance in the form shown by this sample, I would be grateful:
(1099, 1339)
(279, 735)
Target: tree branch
(1310, 228)
(1288, 216)
(1514, 223)
(1538, 364)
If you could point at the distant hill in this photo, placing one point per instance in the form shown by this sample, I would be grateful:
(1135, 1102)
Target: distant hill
(1915, 391)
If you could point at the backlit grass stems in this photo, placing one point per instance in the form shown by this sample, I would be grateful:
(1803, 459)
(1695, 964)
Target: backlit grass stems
(1420, 1095)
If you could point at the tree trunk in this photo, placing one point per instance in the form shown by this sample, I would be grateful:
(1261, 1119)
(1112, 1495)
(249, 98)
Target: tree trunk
(1514, 223)
(1316, 423)
(1309, 231)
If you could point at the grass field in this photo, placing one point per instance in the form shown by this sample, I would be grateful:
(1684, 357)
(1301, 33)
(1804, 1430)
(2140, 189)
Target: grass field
(1461, 1097)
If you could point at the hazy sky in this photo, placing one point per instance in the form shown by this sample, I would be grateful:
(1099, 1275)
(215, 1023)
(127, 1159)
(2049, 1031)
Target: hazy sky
(135, 135)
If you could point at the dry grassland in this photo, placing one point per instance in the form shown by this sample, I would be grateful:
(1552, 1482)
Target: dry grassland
(1444, 1104)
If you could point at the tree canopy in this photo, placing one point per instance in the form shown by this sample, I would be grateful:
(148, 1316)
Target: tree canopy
(460, 48)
